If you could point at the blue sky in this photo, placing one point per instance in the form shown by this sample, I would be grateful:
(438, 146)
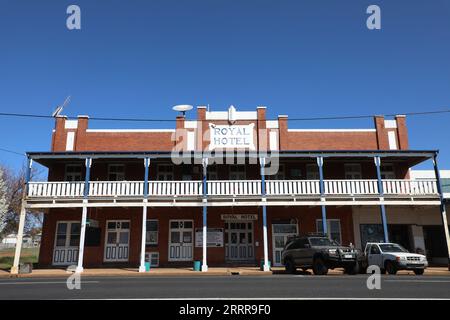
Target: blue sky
(302, 58)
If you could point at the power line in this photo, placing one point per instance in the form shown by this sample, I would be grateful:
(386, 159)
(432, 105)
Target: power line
(13, 152)
(419, 113)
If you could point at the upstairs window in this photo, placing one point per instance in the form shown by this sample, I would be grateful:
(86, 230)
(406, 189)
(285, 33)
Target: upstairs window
(165, 172)
(211, 173)
(387, 171)
(237, 172)
(312, 172)
(353, 171)
(73, 172)
(116, 172)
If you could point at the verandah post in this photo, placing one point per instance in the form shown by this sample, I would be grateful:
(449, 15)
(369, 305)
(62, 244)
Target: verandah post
(144, 215)
(381, 192)
(205, 213)
(88, 163)
(322, 195)
(442, 208)
(22, 217)
(266, 266)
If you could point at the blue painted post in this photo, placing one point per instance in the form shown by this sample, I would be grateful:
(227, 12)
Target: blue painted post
(322, 195)
(381, 192)
(205, 214)
(266, 266)
(87, 177)
(442, 208)
(144, 216)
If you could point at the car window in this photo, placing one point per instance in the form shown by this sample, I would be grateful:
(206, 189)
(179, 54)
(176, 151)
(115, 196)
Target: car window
(374, 249)
(321, 242)
(392, 247)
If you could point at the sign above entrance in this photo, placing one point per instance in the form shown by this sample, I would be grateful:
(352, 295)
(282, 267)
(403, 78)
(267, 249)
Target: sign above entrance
(239, 217)
(231, 136)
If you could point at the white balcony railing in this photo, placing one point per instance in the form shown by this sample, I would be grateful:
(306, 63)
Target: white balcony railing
(234, 187)
(243, 188)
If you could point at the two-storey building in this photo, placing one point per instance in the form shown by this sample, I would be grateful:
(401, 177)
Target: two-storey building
(116, 197)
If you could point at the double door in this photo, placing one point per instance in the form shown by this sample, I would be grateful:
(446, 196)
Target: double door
(181, 240)
(117, 241)
(239, 241)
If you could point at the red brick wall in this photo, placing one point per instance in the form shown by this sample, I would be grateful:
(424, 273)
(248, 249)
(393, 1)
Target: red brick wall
(216, 256)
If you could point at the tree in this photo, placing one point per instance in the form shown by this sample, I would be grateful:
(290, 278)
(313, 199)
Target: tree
(14, 183)
(3, 202)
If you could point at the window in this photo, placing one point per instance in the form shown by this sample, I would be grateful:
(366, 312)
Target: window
(151, 236)
(352, 171)
(68, 234)
(211, 173)
(387, 171)
(165, 172)
(312, 172)
(153, 258)
(279, 175)
(116, 172)
(73, 172)
(333, 227)
(296, 173)
(237, 172)
(374, 249)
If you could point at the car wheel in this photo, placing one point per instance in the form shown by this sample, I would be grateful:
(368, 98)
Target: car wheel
(319, 267)
(390, 268)
(352, 269)
(419, 272)
(290, 266)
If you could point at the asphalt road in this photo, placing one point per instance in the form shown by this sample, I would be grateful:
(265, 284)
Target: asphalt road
(233, 287)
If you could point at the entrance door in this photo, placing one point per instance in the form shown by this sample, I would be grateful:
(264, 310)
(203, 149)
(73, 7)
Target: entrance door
(67, 240)
(117, 240)
(181, 240)
(280, 234)
(239, 241)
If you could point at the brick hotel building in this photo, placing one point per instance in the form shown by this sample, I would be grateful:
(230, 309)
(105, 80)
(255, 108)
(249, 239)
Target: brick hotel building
(120, 197)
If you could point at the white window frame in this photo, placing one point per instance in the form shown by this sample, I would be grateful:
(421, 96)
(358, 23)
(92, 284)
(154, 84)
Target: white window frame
(237, 172)
(73, 174)
(164, 175)
(157, 233)
(319, 223)
(387, 174)
(353, 171)
(148, 257)
(119, 175)
(312, 171)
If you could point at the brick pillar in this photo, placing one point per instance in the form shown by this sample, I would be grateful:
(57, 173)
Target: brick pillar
(180, 133)
(262, 133)
(202, 127)
(283, 132)
(59, 136)
(402, 132)
(382, 137)
(80, 136)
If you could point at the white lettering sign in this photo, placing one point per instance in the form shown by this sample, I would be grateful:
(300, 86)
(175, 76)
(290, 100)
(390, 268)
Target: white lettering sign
(231, 136)
(241, 217)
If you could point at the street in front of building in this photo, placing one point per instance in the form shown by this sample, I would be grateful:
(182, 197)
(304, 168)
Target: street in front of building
(272, 287)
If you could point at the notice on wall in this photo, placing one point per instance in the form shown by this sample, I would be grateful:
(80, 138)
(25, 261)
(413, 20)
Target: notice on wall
(231, 136)
(214, 237)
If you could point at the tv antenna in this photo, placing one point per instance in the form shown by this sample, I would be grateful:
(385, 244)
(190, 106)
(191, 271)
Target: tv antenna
(182, 108)
(60, 108)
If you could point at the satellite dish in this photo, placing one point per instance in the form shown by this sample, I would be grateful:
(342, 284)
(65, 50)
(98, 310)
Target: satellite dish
(182, 108)
(60, 108)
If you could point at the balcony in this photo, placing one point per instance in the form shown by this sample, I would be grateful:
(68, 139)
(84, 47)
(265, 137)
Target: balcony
(244, 192)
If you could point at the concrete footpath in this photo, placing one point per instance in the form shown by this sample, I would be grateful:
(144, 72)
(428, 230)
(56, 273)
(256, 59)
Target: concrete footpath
(224, 271)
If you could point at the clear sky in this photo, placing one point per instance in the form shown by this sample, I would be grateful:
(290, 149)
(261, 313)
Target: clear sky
(302, 58)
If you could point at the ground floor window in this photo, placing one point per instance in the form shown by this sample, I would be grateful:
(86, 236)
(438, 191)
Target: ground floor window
(153, 258)
(151, 236)
(371, 233)
(333, 227)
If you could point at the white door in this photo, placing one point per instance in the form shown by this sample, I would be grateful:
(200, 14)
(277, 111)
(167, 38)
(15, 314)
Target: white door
(181, 240)
(67, 240)
(117, 240)
(239, 241)
(280, 235)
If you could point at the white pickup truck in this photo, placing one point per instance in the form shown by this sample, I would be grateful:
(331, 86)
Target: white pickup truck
(392, 257)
